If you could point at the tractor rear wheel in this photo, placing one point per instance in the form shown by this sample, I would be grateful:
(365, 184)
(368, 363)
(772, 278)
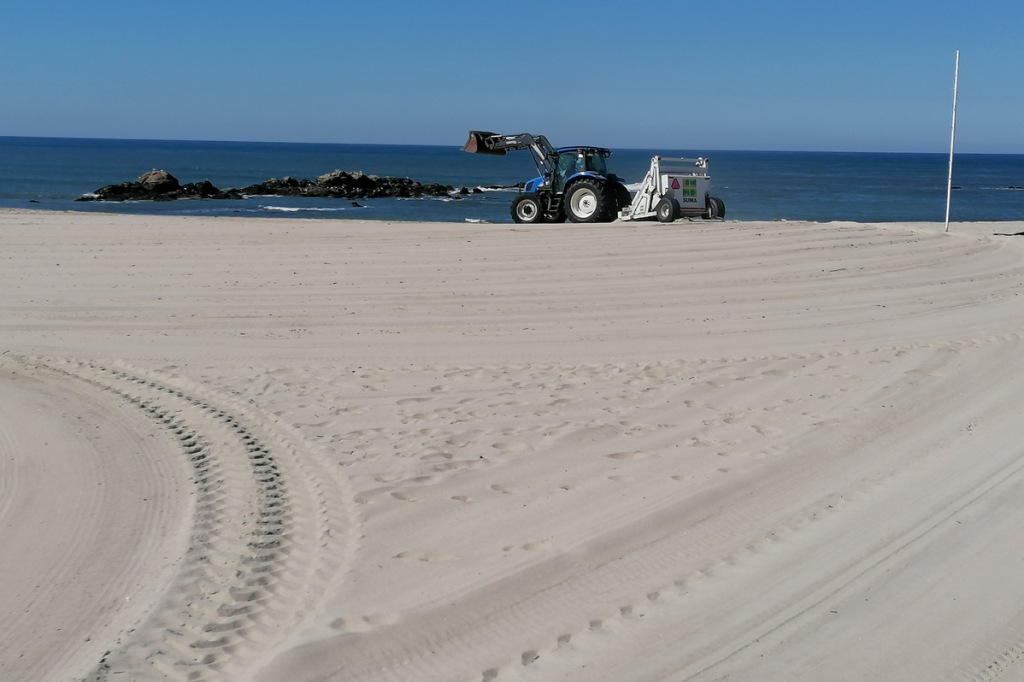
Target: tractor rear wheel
(667, 209)
(587, 201)
(623, 198)
(527, 209)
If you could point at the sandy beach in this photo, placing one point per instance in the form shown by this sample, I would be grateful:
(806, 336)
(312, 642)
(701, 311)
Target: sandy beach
(311, 450)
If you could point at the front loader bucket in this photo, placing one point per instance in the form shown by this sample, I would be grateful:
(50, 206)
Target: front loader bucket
(477, 144)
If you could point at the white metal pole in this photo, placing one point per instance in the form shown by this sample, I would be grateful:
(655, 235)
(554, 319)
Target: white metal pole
(952, 138)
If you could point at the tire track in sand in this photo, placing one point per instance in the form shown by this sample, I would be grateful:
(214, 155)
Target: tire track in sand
(273, 527)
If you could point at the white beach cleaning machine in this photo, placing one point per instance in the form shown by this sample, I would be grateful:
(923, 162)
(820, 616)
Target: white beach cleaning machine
(675, 188)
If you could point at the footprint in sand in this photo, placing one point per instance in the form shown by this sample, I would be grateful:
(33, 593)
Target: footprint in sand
(413, 401)
(766, 431)
(425, 556)
(364, 623)
(511, 446)
(433, 455)
(638, 454)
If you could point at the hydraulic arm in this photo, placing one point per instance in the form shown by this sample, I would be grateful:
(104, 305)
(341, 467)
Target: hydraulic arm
(544, 155)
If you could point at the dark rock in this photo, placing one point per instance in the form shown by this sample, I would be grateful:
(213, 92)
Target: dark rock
(158, 185)
(341, 184)
(159, 181)
(162, 186)
(203, 190)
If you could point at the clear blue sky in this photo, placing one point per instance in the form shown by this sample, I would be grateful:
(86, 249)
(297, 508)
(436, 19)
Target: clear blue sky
(870, 75)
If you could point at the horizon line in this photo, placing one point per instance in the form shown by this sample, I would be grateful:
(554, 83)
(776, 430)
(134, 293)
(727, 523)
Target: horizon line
(445, 146)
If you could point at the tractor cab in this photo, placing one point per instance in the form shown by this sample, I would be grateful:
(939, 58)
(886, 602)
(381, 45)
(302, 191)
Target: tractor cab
(575, 161)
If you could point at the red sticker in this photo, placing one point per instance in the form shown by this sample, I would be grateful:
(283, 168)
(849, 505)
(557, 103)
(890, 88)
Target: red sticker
(675, 183)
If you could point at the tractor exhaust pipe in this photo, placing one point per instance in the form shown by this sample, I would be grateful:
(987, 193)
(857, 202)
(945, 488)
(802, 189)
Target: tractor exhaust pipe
(481, 142)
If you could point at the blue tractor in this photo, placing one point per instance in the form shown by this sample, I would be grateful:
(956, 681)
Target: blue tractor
(574, 182)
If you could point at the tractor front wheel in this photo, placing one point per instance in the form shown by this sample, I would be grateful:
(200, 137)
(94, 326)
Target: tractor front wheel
(587, 201)
(527, 209)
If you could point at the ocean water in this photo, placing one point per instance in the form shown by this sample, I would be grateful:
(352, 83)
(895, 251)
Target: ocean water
(50, 173)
